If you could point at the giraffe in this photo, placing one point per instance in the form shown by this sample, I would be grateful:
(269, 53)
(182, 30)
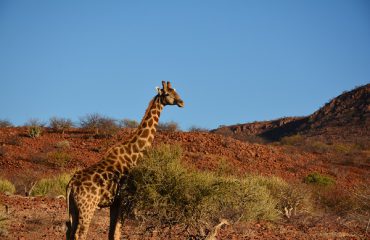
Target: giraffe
(98, 186)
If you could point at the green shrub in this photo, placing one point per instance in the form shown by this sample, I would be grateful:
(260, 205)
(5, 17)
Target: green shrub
(58, 158)
(162, 192)
(317, 178)
(34, 128)
(60, 124)
(224, 168)
(6, 186)
(55, 186)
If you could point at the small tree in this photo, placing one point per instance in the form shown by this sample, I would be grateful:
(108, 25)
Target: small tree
(129, 123)
(99, 124)
(5, 123)
(60, 124)
(169, 126)
(198, 129)
(91, 122)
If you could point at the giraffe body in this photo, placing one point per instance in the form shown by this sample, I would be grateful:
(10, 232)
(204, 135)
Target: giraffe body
(98, 185)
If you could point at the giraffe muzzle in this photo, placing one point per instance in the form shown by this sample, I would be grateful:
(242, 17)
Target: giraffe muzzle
(180, 103)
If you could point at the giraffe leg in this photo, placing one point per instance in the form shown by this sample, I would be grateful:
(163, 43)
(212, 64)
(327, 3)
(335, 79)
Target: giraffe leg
(115, 220)
(73, 219)
(84, 219)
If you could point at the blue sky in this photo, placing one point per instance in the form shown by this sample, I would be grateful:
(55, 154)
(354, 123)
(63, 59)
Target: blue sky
(231, 61)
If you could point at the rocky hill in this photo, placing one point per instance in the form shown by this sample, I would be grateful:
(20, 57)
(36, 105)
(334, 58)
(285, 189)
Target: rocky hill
(346, 118)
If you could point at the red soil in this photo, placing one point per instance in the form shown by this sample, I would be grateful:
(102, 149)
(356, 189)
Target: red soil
(22, 159)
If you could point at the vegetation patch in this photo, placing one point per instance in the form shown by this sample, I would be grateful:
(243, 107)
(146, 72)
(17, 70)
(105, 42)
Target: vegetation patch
(318, 179)
(58, 158)
(168, 126)
(5, 123)
(34, 127)
(55, 186)
(198, 129)
(129, 123)
(60, 124)
(6, 186)
(102, 126)
(65, 144)
(294, 140)
(162, 193)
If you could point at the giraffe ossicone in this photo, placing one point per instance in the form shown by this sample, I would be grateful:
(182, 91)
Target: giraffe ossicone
(98, 185)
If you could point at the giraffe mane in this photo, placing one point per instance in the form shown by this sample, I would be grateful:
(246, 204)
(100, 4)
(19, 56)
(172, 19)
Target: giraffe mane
(150, 105)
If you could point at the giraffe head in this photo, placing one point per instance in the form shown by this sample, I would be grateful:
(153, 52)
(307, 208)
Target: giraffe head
(168, 95)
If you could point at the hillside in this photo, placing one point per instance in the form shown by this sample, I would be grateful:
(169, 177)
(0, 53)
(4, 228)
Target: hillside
(326, 143)
(344, 118)
(24, 159)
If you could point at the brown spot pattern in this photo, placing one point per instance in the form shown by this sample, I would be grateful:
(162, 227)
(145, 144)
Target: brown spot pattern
(145, 134)
(141, 143)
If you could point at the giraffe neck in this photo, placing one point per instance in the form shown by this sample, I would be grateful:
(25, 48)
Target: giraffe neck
(144, 135)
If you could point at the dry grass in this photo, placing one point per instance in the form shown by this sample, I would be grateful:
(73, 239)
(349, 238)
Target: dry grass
(6, 186)
(55, 186)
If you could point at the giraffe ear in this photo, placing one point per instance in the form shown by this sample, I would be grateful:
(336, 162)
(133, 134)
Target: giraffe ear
(158, 89)
(164, 84)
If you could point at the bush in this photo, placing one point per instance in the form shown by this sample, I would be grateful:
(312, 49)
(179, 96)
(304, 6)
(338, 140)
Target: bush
(58, 158)
(60, 124)
(318, 147)
(292, 199)
(5, 123)
(162, 192)
(6, 186)
(294, 140)
(344, 148)
(224, 168)
(198, 129)
(129, 123)
(34, 128)
(102, 126)
(318, 179)
(63, 144)
(168, 126)
(53, 187)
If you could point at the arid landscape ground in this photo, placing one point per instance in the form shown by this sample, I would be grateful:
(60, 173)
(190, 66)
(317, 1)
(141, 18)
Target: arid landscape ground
(334, 141)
